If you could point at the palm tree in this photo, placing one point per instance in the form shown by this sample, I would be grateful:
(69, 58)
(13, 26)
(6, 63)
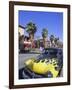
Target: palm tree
(56, 41)
(52, 39)
(31, 29)
(44, 35)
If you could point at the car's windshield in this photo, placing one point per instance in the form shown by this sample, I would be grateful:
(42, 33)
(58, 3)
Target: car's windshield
(50, 50)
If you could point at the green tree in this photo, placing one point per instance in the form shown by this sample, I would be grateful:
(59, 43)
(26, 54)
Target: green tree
(31, 30)
(44, 35)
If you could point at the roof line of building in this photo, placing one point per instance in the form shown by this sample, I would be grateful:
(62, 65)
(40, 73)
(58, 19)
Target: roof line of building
(22, 26)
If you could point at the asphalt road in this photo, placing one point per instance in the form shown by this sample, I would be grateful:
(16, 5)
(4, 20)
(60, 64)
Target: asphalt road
(24, 57)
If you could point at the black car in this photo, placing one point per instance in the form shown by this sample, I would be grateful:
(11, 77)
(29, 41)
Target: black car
(52, 53)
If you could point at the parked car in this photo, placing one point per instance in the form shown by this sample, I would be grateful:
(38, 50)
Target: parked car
(52, 53)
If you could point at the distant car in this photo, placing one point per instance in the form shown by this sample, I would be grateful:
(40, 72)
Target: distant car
(48, 64)
(25, 47)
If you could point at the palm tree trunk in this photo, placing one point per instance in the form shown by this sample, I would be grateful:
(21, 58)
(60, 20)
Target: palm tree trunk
(31, 36)
(45, 42)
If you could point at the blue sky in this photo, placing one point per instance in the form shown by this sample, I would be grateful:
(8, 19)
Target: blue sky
(53, 21)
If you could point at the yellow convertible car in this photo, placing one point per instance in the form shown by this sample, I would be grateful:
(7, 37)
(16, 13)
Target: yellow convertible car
(48, 64)
(43, 66)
